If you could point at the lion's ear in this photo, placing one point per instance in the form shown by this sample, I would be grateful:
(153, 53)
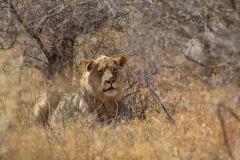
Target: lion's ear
(121, 60)
(88, 64)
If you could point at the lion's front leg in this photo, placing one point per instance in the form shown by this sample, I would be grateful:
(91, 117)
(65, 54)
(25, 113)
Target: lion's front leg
(45, 106)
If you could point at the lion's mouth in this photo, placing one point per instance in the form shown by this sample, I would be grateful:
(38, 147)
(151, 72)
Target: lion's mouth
(111, 88)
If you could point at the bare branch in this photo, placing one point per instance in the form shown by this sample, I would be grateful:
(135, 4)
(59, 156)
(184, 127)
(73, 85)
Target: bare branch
(34, 36)
(233, 113)
(160, 102)
(219, 113)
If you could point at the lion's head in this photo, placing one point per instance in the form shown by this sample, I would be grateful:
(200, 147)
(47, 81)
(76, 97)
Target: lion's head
(103, 77)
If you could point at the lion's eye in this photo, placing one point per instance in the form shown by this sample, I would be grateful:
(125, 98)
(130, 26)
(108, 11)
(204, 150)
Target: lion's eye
(114, 70)
(100, 72)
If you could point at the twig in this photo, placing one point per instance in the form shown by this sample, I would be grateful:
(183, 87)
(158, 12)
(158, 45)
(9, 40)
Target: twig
(31, 33)
(160, 102)
(55, 11)
(233, 113)
(116, 115)
(220, 106)
(130, 87)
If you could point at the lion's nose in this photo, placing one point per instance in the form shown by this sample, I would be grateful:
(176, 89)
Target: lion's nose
(110, 81)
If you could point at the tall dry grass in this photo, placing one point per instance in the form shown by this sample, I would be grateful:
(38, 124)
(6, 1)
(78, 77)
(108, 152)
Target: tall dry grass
(197, 133)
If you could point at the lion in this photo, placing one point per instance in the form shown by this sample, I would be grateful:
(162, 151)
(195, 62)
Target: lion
(101, 91)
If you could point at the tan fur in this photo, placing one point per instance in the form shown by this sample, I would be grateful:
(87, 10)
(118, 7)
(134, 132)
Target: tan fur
(45, 106)
(101, 91)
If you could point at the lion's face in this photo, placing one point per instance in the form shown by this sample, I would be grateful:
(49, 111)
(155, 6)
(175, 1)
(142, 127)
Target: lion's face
(105, 76)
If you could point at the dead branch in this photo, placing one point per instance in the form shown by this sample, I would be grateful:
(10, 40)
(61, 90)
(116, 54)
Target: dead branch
(219, 113)
(233, 113)
(52, 56)
(160, 102)
(29, 31)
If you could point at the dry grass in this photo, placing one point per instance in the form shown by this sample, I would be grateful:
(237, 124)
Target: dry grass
(196, 135)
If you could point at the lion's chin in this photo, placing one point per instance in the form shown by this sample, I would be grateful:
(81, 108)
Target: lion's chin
(110, 93)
